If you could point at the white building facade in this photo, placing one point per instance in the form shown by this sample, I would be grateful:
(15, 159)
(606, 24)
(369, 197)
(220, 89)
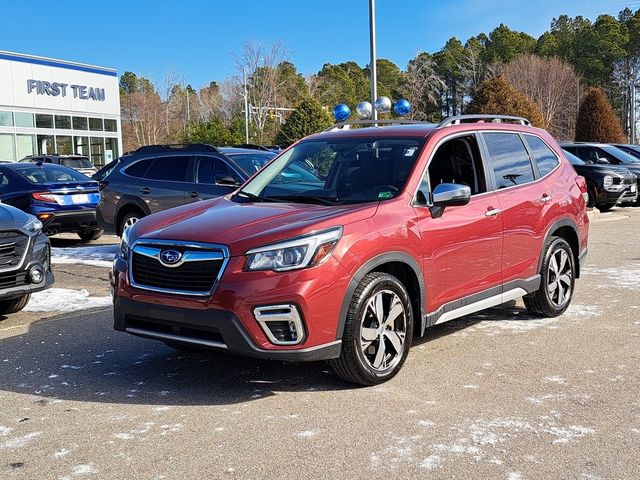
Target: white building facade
(52, 106)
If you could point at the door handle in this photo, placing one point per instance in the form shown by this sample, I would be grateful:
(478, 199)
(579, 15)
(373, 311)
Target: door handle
(545, 198)
(145, 190)
(194, 194)
(492, 212)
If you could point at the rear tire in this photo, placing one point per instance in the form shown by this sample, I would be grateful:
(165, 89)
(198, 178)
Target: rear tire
(128, 220)
(14, 305)
(557, 283)
(591, 197)
(377, 333)
(88, 235)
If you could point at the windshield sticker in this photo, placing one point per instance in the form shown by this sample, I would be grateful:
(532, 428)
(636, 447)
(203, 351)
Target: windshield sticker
(410, 151)
(385, 195)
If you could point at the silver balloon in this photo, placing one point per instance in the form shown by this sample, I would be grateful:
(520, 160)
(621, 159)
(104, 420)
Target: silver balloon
(364, 110)
(383, 104)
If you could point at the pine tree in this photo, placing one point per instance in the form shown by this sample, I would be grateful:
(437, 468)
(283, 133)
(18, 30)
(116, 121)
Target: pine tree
(496, 96)
(308, 118)
(597, 121)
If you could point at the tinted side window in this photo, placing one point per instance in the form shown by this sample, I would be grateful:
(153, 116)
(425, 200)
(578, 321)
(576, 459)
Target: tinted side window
(511, 163)
(458, 161)
(210, 170)
(138, 169)
(583, 153)
(542, 154)
(172, 169)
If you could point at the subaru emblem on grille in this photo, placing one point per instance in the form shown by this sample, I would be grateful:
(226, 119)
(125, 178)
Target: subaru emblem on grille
(170, 257)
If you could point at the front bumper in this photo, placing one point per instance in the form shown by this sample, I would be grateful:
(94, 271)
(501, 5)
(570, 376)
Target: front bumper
(216, 329)
(15, 284)
(226, 319)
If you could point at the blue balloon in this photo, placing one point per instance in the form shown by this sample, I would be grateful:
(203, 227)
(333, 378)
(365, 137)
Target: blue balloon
(341, 112)
(402, 107)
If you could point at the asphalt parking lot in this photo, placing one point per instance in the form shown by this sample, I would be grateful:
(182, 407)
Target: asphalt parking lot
(494, 395)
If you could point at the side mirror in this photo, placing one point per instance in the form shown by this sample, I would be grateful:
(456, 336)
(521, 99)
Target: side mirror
(449, 195)
(227, 181)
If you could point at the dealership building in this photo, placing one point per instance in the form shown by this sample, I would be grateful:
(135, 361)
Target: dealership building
(52, 106)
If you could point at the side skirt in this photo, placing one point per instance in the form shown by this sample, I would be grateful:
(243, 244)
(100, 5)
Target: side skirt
(483, 300)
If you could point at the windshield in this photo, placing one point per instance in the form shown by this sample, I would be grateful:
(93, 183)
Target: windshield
(573, 159)
(337, 171)
(251, 162)
(51, 174)
(77, 162)
(621, 155)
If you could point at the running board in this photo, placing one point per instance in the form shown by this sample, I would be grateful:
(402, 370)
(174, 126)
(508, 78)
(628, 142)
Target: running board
(482, 304)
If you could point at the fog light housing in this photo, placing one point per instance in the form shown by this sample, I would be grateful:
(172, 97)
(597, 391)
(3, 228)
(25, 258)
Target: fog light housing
(36, 275)
(282, 324)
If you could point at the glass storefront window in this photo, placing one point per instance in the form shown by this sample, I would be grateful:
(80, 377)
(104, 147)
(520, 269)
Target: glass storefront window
(24, 119)
(44, 121)
(25, 145)
(95, 124)
(7, 147)
(6, 119)
(111, 145)
(64, 145)
(97, 150)
(63, 121)
(81, 145)
(46, 145)
(110, 125)
(80, 123)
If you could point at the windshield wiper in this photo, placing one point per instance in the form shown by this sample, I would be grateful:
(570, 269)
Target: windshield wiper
(305, 199)
(251, 196)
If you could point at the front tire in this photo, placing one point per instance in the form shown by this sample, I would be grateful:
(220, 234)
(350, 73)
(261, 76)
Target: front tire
(558, 279)
(14, 305)
(378, 331)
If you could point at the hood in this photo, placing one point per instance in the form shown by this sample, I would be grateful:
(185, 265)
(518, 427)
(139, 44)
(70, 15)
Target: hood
(12, 218)
(242, 226)
(604, 169)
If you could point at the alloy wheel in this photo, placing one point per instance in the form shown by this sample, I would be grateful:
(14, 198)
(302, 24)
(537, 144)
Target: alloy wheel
(383, 331)
(559, 278)
(130, 222)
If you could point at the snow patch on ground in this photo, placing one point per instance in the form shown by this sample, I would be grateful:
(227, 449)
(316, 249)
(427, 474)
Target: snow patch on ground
(625, 277)
(64, 300)
(4, 431)
(20, 442)
(308, 434)
(95, 255)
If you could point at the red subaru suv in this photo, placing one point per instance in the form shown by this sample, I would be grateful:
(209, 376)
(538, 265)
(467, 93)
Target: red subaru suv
(355, 240)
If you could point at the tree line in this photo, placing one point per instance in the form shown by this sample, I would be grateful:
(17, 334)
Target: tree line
(554, 71)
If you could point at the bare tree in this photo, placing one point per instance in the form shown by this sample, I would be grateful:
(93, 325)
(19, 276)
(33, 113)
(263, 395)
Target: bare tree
(171, 78)
(142, 119)
(553, 85)
(259, 61)
(423, 85)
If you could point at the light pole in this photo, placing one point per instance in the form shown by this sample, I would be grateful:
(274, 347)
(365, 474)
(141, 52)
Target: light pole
(246, 107)
(372, 64)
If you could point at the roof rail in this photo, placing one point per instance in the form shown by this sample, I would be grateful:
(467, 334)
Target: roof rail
(176, 147)
(458, 119)
(394, 121)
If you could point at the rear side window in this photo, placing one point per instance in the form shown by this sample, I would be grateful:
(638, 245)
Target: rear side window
(510, 160)
(51, 174)
(544, 157)
(210, 170)
(138, 169)
(173, 169)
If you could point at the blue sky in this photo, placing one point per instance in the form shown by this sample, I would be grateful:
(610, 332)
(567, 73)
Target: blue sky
(197, 38)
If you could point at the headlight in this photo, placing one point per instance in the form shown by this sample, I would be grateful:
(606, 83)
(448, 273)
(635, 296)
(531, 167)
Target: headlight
(293, 254)
(608, 181)
(33, 225)
(124, 244)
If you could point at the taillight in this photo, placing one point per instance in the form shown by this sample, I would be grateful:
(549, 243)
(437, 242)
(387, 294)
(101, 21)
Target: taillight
(102, 185)
(582, 185)
(44, 197)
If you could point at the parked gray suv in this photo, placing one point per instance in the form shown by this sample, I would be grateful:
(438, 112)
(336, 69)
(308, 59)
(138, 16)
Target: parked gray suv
(158, 177)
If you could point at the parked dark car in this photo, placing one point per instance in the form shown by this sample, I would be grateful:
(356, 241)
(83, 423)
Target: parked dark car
(157, 177)
(25, 259)
(607, 185)
(63, 199)
(77, 162)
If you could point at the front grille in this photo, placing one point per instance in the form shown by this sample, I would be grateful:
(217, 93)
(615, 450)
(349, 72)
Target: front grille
(12, 247)
(13, 279)
(197, 275)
